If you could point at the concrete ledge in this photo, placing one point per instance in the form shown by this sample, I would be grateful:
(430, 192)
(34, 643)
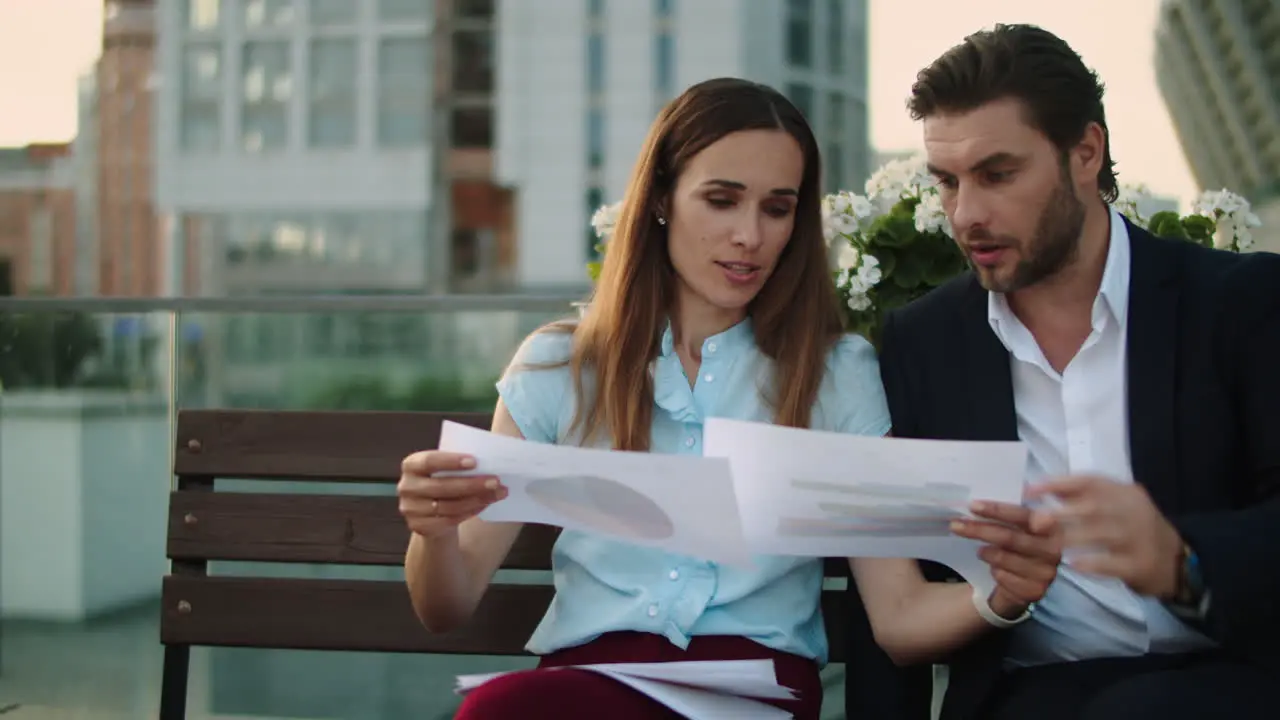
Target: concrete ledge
(81, 403)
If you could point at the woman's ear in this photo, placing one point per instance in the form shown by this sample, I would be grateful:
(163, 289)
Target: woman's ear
(661, 212)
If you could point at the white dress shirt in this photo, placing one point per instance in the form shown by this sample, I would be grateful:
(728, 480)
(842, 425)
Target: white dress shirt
(1077, 422)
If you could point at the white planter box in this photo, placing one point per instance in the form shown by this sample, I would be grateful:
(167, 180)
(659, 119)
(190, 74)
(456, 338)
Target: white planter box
(84, 480)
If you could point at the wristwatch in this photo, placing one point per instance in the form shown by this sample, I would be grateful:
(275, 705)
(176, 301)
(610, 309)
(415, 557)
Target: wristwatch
(992, 617)
(1191, 602)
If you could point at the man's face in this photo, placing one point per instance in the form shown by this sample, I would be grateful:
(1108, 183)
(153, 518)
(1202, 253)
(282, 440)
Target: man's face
(1008, 192)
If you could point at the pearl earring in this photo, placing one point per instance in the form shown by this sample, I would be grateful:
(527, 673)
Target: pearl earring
(662, 220)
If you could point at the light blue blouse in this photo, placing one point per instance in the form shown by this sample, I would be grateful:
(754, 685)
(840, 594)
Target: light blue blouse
(604, 585)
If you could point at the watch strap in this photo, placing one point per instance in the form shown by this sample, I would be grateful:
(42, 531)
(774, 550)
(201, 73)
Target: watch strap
(992, 617)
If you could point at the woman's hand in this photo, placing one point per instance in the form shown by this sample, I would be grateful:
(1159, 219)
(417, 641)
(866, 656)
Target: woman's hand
(1023, 548)
(434, 506)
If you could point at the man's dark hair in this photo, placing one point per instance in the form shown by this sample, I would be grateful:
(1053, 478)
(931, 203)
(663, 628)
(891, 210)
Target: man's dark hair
(1026, 63)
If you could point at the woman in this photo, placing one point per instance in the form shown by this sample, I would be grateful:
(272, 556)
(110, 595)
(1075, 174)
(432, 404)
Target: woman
(715, 299)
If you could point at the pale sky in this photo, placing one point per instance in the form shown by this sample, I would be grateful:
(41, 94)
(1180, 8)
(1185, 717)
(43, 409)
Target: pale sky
(46, 44)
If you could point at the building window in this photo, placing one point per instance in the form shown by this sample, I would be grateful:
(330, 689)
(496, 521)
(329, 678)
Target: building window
(836, 133)
(40, 236)
(799, 29)
(472, 128)
(331, 121)
(200, 117)
(201, 15)
(595, 63)
(267, 88)
(664, 80)
(595, 138)
(332, 13)
(404, 94)
(404, 10)
(835, 37)
(857, 139)
(259, 14)
(474, 9)
(801, 95)
(473, 61)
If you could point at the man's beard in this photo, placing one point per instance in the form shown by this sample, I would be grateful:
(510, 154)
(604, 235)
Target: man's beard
(1053, 246)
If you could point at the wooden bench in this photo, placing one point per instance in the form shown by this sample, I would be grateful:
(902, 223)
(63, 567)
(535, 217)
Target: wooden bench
(206, 523)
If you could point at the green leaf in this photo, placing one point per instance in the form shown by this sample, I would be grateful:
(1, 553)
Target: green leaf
(1200, 229)
(945, 263)
(911, 269)
(888, 262)
(1167, 224)
(896, 229)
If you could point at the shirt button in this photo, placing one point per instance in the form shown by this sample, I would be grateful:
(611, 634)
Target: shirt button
(709, 377)
(711, 347)
(689, 441)
(653, 611)
(674, 574)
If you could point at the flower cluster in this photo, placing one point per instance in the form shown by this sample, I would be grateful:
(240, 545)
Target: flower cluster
(1232, 218)
(894, 243)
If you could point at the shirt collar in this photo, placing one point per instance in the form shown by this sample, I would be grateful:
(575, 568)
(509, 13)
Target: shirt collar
(1113, 292)
(737, 337)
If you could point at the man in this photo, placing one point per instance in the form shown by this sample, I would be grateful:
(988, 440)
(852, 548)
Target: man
(1144, 376)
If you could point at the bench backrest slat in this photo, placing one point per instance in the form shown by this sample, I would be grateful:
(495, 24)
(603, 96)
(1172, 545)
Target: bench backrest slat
(364, 615)
(279, 527)
(294, 445)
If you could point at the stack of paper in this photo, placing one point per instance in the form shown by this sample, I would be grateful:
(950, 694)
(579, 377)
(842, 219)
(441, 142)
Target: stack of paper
(697, 690)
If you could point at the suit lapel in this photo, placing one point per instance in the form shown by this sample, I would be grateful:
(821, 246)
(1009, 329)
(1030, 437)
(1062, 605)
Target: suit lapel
(989, 379)
(1152, 366)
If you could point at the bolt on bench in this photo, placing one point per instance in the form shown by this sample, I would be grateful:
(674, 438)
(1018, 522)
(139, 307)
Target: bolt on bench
(325, 614)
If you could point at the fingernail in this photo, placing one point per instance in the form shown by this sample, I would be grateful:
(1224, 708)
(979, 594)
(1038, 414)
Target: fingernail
(978, 506)
(956, 526)
(468, 462)
(491, 483)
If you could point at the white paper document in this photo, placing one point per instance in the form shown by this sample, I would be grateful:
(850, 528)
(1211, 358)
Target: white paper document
(696, 689)
(680, 503)
(826, 494)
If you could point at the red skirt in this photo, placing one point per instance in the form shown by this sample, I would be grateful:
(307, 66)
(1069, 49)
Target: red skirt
(581, 694)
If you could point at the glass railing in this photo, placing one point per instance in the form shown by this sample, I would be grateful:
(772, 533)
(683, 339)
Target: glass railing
(87, 408)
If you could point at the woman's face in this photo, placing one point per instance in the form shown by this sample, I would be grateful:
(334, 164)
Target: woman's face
(730, 216)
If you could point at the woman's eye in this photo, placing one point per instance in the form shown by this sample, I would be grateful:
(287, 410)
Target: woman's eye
(720, 202)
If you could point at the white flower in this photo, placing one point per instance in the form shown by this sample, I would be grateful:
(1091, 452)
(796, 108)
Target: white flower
(843, 214)
(896, 178)
(868, 275)
(1130, 199)
(859, 303)
(604, 220)
(1233, 216)
(848, 257)
(859, 273)
(930, 217)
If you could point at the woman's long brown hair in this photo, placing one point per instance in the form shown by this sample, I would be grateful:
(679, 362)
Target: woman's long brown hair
(796, 316)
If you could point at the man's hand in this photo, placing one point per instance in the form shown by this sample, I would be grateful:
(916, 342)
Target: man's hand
(1124, 532)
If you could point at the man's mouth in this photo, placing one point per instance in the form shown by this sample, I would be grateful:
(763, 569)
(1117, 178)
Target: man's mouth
(986, 253)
